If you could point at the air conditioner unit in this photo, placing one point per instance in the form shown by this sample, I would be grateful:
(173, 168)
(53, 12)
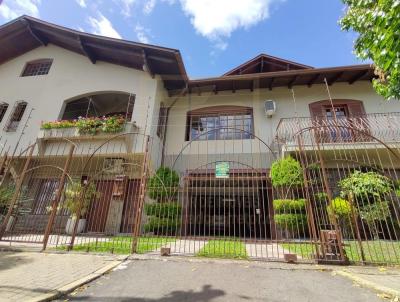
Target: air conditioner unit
(270, 107)
(114, 165)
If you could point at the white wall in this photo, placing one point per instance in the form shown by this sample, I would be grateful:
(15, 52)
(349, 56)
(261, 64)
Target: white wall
(70, 75)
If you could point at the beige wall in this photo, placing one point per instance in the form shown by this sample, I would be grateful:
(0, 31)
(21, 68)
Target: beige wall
(71, 75)
(264, 126)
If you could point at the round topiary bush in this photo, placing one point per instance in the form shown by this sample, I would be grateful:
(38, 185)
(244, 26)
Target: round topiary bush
(286, 172)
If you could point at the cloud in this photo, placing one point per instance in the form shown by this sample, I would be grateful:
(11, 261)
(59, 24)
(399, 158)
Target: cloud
(14, 8)
(142, 34)
(213, 19)
(126, 6)
(149, 6)
(82, 3)
(102, 26)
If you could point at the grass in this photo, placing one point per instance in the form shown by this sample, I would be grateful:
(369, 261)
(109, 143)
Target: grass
(229, 249)
(378, 251)
(120, 245)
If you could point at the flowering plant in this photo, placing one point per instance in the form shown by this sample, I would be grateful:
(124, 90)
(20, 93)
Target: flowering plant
(113, 124)
(58, 124)
(90, 125)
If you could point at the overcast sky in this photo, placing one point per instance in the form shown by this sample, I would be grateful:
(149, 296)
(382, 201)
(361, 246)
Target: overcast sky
(213, 36)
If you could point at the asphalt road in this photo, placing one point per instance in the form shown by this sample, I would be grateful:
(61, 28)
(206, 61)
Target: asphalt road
(182, 280)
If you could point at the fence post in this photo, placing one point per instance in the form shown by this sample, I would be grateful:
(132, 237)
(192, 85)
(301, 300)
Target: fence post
(142, 193)
(57, 198)
(18, 187)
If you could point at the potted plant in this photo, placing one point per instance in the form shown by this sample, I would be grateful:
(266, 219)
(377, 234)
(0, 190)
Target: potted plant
(78, 195)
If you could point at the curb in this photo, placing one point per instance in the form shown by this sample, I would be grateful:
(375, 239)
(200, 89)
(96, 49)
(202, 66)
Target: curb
(68, 288)
(369, 284)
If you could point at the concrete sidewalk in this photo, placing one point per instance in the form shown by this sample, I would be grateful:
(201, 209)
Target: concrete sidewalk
(34, 276)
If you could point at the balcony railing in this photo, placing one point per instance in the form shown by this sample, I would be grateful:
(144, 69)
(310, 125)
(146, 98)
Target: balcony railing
(356, 129)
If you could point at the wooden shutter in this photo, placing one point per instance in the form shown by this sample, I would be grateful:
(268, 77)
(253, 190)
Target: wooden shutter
(317, 110)
(356, 108)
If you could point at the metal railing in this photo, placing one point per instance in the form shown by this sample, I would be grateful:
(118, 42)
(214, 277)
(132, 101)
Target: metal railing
(354, 129)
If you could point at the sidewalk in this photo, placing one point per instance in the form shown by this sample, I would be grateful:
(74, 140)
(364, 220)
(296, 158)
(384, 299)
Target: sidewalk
(385, 280)
(33, 276)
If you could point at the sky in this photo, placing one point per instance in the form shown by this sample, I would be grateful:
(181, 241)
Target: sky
(213, 36)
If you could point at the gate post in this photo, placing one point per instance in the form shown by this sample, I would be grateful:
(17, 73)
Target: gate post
(57, 198)
(16, 193)
(330, 197)
(142, 193)
(309, 208)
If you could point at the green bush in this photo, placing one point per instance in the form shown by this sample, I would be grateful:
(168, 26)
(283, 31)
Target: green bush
(289, 205)
(162, 226)
(286, 172)
(164, 184)
(339, 207)
(321, 197)
(163, 210)
(291, 221)
(364, 186)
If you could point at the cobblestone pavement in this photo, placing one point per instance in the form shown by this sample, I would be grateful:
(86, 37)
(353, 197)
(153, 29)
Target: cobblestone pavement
(28, 276)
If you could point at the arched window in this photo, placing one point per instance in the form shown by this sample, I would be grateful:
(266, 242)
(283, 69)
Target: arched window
(219, 123)
(16, 116)
(3, 110)
(37, 67)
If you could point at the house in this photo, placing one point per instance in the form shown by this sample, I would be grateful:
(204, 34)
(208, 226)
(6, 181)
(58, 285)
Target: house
(124, 109)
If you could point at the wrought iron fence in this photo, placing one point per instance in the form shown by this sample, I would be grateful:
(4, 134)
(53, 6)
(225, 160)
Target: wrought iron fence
(325, 192)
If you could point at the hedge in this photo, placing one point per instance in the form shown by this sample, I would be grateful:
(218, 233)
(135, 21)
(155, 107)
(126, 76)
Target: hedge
(291, 221)
(163, 210)
(289, 205)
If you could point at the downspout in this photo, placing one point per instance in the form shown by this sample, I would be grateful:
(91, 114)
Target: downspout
(183, 91)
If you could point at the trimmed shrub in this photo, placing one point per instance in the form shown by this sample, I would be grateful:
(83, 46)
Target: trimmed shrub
(365, 186)
(163, 210)
(286, 172)
(164, 184)
(162, 226)
(339, 207)
(164, 218)
(289, 205)
(291, 222)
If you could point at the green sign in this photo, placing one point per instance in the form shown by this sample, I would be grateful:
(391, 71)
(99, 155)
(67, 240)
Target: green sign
(222, 170)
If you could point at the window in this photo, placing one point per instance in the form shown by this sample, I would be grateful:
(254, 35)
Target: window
(3, 110)
(162, 121)
(16, 116)
(220, 123)
(35, 68)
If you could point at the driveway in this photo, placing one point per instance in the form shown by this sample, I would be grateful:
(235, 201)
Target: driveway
(175, 280)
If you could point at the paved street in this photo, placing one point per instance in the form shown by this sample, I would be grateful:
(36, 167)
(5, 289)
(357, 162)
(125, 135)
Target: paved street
(174, 280)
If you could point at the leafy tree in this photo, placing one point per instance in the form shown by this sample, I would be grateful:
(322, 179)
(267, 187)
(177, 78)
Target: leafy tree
(365, 186)
(373, 213)
(286, 172)
(163, 184)
(378, 24)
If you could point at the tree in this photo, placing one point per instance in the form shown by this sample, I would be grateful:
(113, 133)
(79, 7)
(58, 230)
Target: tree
(378, 24)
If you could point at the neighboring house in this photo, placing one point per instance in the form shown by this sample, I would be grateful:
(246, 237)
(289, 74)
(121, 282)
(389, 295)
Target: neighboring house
(51, 73)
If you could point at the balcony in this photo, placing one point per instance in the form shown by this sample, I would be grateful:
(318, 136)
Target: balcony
(56, 141)
(361, 132)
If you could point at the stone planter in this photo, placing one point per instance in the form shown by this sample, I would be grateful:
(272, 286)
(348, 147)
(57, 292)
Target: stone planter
(69, 227)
